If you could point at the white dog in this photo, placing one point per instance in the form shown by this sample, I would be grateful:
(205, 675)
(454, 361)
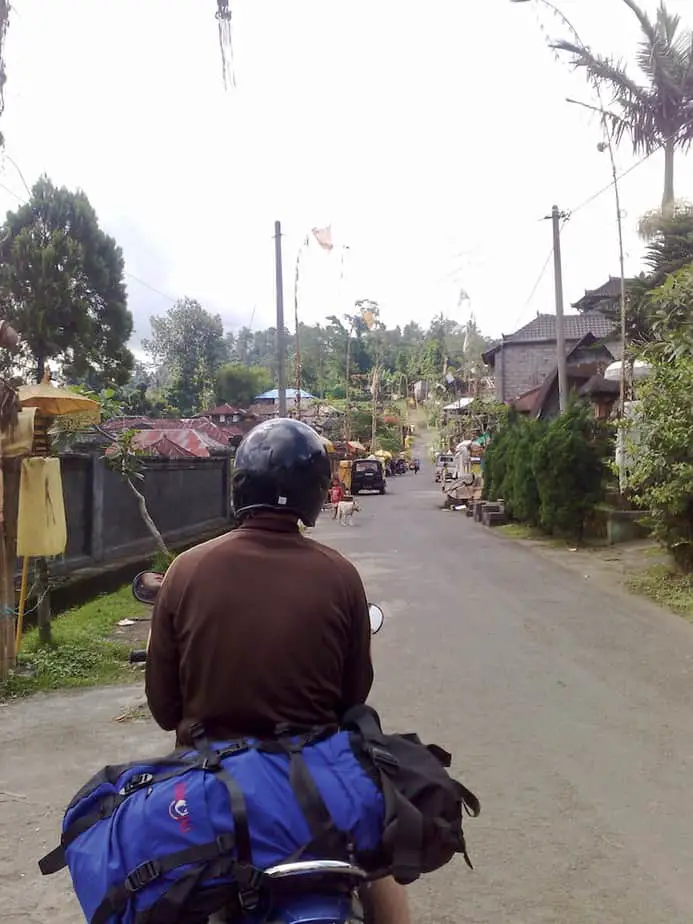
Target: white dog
(346, 510)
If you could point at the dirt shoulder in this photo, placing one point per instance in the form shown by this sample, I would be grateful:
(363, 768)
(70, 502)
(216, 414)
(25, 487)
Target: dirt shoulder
(639, 567)
(49, 746)
(618, 563)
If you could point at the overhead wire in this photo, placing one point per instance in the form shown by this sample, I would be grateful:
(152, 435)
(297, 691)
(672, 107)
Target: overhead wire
(536, 285)
(610, 185)
(584, 204)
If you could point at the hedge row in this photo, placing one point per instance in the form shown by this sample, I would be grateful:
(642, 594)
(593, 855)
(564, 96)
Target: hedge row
(550, 475)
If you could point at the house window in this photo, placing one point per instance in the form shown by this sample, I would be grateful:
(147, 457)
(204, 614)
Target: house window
(222, 418)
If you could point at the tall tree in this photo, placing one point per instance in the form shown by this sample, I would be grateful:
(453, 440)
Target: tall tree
(239, 385)
(657, 112)
(61, 284)
(189, 341)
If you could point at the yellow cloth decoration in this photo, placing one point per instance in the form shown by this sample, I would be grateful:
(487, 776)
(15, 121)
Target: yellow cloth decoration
(41, 527)
(17, 440)
(345, 473)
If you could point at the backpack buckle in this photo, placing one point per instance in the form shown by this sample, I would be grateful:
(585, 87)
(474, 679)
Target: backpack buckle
(248, 879)
(143, 875)
(225, 843)
(136, 782)
(384, 758)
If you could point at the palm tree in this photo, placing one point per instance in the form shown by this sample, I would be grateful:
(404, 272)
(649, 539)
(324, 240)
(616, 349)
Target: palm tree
(659, 111)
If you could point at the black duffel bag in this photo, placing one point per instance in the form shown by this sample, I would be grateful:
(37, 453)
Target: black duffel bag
(424, 805)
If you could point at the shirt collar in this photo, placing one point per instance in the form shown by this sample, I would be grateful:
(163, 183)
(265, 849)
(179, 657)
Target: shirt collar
(271, 522)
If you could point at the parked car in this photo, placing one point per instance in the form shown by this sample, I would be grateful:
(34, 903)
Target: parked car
(445, 463)
(367, 475)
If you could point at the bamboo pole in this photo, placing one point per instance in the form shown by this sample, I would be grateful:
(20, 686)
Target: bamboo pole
(22, 604)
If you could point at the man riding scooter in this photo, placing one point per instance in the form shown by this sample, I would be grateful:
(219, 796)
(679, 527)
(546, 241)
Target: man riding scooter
(264, 627)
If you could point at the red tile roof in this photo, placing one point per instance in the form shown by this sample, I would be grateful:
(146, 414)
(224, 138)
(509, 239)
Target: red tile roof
(223, 409)
(524, 403)
(127, 423)
(180, 443)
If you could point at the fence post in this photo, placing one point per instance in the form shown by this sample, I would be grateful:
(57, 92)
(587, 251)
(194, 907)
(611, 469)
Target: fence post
(97, 485)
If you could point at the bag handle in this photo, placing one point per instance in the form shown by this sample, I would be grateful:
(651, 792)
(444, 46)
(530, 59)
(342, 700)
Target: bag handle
(364, 720)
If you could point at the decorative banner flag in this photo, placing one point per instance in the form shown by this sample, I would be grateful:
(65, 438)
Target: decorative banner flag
(324, 237)
(368, 318)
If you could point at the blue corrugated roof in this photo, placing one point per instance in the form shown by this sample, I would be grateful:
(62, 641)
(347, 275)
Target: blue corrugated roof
(273, 394)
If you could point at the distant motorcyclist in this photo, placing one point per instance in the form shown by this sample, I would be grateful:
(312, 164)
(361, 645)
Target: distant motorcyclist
(262, 626)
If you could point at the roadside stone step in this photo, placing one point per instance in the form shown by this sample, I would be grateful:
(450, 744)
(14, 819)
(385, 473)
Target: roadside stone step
(494, 518)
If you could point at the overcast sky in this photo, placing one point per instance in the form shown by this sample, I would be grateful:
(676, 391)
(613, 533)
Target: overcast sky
(433, 136)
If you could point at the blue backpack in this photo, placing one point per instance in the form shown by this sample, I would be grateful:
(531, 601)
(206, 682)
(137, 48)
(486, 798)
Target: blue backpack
(165, 839)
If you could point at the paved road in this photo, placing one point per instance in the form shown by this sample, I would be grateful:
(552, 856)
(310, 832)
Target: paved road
(566, 705)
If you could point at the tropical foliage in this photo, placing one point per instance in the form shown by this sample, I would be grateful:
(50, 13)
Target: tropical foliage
(655, 111)
(669, 252)
(194, 364)
(188, 344)
(662, 473)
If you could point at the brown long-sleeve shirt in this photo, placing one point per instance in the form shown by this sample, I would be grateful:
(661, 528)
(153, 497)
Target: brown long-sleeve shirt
(257, 628)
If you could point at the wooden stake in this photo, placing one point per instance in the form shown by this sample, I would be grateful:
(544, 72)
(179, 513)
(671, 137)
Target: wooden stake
(22, 604)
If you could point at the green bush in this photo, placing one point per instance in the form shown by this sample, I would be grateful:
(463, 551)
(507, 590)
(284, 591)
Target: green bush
(523, 490)
(497, 457)
(570, 468)
(662, 472)
(551, 474)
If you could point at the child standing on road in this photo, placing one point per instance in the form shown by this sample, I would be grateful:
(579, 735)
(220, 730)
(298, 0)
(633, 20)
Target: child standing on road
(336, 495)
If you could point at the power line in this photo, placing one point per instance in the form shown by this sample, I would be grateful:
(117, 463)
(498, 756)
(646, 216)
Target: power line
(621, 176)
(536, 285)
(152, 288)
(12, 193)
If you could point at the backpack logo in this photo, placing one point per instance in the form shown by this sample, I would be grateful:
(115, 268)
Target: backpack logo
(178, 809)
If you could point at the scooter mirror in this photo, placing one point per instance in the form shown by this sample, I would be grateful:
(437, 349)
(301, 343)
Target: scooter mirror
(145, 587)
(376, 616)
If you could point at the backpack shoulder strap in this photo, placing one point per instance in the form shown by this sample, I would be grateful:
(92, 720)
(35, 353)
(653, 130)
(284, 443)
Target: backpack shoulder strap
(364, 720)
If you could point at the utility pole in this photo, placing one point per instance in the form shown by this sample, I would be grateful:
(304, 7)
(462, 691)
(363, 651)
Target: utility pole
(281, 351)
(347, 388)
(556, 216)
(374, 407)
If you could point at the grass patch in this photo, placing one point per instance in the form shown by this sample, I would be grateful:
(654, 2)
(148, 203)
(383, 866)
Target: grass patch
(666, 587)
(521, 531)
(533, 533)
(82, 654)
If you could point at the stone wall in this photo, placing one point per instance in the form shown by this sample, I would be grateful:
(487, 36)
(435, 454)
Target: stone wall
(185, 498)
(523, 366)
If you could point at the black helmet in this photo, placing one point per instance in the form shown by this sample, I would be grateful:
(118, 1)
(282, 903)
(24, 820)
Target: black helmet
(281, 464)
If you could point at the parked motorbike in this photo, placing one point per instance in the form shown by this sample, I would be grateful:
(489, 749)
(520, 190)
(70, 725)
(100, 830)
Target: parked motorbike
(305, 892)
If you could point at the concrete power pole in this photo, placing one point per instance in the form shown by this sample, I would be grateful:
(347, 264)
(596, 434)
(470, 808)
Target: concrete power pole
(556, 217)
(281, 348)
